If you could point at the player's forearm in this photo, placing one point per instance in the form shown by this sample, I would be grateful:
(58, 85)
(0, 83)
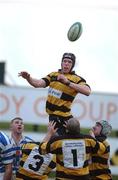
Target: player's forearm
(35, 82)
(47, 137)
(83, 89)
(8, 172)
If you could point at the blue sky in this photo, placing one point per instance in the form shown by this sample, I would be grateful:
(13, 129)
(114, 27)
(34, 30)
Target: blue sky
(33, 37)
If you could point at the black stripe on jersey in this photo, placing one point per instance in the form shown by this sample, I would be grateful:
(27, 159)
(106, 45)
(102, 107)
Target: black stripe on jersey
(67, 97)
(52, 165)
(22, 176)
(98, 159)
(107, 150)
(53, 107)
(99, 172)
(53, 78)
(81, 80)
(88, 149)
(59, 162)
(85, 164)
(46, 81)
(61, 174)
(26, 151)
(22, 163)
(95, 149)
(88, 86)
(57, 151)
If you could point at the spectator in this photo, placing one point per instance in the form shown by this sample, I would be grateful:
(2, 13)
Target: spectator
(64, 85)
(6, 157)
(99, 164)
(73, 151)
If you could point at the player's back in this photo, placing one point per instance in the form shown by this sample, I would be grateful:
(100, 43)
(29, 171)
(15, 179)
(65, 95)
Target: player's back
(33, 165)
(72, 155)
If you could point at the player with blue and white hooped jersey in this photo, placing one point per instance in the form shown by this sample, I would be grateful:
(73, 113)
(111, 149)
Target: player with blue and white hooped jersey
(17, 140)
(6, 157)
(17, 151)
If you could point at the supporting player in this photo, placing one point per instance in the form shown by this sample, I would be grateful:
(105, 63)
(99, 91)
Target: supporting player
(99, 164)
(34, 166)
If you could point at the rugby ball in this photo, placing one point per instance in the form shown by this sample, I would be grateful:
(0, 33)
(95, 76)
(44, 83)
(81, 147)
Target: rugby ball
(75, 31)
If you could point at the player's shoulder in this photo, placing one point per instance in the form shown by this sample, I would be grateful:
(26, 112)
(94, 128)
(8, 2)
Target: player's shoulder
(80, 77)
(30, 145)
(26, 139)
(4, 139)
(87, 136)
(53, 73)
(29, 139)
(106, 143)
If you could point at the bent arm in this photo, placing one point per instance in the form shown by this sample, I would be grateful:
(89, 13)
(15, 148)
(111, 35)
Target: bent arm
(83, 89)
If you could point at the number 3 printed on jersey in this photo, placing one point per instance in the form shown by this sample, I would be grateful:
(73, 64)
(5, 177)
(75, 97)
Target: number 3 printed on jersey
(36, 162)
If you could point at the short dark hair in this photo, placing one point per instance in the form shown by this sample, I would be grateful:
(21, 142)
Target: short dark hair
(19, 118)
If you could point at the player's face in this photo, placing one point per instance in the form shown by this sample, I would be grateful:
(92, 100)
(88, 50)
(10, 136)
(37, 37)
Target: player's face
(17, 126)
(97, 129)
(66, 65)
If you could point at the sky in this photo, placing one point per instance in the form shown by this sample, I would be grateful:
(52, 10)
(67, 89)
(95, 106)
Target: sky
(33, 37)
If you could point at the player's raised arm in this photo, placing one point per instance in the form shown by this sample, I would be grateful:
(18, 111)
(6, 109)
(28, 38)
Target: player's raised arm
(32, 81)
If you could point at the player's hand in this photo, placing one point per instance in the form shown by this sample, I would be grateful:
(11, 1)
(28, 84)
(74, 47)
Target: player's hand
(51, 128)
(24, 74)
(62, 78)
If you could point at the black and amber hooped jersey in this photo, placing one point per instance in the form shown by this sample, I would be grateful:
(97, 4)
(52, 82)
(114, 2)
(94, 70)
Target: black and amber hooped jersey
(34, 166)
(99, 164)
(61, 96)
(72, 155)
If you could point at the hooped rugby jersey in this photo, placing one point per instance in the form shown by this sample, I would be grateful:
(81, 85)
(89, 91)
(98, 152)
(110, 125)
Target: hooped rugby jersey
(99, 164)
(72, 155)
(34, 166)
(61, 96)
(6, 152)
(17, 151)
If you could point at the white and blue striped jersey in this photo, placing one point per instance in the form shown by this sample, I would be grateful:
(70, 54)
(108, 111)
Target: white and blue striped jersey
(17, 153)
(6, 152)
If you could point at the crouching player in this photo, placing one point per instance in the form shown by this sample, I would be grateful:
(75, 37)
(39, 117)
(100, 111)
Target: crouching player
(99, 164)
(34, 166)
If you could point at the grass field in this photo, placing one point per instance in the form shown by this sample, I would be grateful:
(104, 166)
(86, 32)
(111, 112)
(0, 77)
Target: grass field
(43, 128)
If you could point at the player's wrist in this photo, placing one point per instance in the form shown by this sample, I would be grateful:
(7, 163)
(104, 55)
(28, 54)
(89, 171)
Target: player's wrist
(67, 83)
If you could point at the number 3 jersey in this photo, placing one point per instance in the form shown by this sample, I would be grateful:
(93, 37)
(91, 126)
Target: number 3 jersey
(34, 166)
